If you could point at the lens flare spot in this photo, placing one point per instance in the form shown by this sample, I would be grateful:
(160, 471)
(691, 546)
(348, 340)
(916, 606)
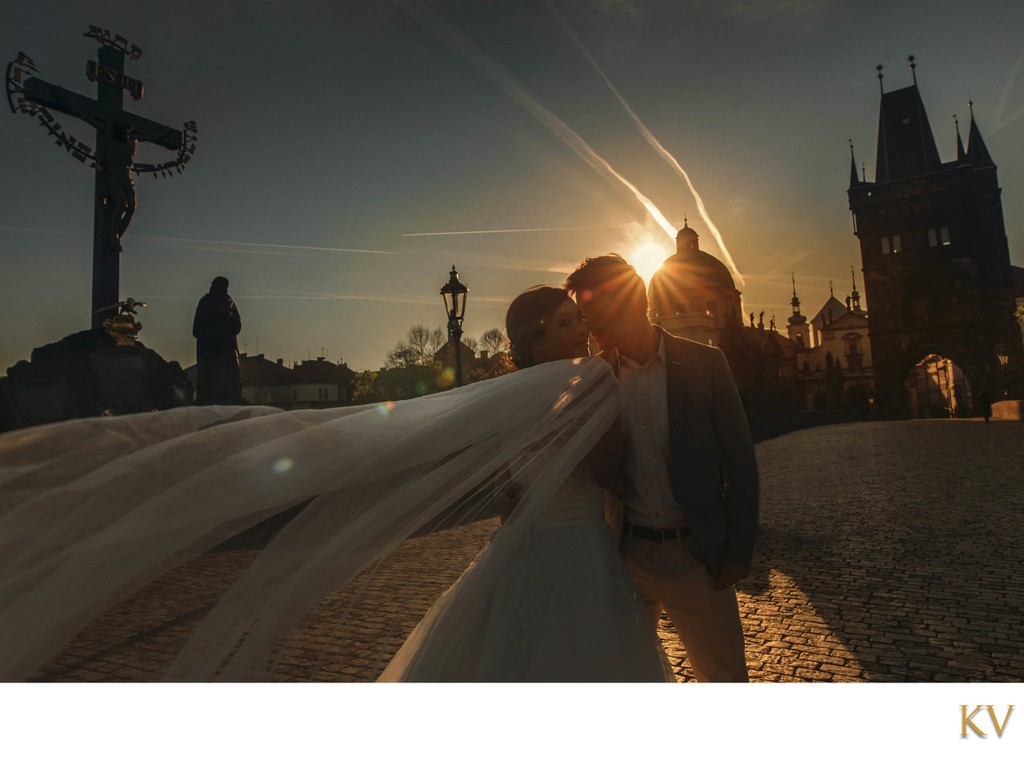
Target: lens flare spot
(282, 465)
(446, 377)
(384, 409)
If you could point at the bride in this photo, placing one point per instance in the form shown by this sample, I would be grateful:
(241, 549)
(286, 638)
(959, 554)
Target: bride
(552, 603)
(92, 510)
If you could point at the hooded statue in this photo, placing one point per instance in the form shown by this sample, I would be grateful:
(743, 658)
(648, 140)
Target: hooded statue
(215, 327)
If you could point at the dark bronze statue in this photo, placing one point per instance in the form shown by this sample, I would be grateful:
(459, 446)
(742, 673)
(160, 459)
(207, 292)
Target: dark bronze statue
(218, 366)
(117, 134)
(117, 189)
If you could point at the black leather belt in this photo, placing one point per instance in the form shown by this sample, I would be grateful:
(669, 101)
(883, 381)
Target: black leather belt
(655, 534)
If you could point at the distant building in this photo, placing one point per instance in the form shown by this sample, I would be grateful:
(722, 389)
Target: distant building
(823, 364)
(936, 265)
(320, 383)
(693, 295)
(264, 381)
(314, 384)
(834, 356)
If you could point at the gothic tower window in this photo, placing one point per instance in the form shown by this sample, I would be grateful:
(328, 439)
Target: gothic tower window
(938, 236)
(891, 244)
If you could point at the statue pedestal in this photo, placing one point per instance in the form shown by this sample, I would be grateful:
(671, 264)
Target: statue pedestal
(88, 374)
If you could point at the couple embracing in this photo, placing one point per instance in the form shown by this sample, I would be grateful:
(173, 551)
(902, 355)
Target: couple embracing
(572, 600)
(651, 434)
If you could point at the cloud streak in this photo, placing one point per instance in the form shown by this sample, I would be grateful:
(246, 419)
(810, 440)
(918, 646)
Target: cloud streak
(269, 249)
(461, 46)
(221, 246)
(1001, 119)
(526, 229)
(653, 142)
(271, 295)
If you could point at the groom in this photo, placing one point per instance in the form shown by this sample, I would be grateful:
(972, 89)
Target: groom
(690, 478)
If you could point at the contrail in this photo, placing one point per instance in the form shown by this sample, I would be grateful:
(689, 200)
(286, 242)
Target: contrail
(528, 229)
(1005, 97)
(455, 41)
(268, 249)
(270, 295)
(653, 142)
(39, 231)
(512, 264)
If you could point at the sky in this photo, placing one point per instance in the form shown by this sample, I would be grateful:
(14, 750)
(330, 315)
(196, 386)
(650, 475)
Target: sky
(350, 153)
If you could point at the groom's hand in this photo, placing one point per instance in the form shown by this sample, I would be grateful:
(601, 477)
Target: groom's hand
(730, 573)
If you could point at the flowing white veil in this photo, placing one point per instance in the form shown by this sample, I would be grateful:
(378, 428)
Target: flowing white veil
(92, 510)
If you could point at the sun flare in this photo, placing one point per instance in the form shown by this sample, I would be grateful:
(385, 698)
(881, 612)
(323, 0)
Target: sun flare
(647, 258)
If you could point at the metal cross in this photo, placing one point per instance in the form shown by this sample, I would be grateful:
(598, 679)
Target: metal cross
(117, 134)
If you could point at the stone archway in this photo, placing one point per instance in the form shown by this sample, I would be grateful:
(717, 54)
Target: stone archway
(938, 386)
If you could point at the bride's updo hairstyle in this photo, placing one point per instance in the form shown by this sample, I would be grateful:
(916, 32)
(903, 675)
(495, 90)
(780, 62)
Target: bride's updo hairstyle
(525, 320)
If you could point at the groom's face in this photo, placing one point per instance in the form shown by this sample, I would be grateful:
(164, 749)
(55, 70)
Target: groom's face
(598, 306)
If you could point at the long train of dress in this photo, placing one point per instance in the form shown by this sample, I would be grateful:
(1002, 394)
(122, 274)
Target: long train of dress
(92, 510)
(553, 604)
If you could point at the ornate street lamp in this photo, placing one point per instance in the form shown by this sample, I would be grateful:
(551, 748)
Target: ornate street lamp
(1004, 358)
(454, 294)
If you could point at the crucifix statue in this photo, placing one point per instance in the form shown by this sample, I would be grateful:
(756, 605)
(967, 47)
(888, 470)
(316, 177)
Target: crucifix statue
(117, 133)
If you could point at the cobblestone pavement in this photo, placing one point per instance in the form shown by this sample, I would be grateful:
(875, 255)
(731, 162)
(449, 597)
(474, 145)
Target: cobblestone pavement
(889, 551)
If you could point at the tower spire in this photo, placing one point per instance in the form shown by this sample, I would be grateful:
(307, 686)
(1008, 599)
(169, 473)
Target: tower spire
(906, 146)
(853, 167)
(960, 154)
(878, 68)
(796, 301)
(977, 152)
(913, 69)
(854, 296)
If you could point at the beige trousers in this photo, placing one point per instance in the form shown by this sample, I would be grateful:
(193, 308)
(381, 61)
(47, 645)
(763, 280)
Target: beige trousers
(707, 620)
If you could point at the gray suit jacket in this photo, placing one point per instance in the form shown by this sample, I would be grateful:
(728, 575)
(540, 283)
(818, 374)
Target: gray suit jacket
(713, 469)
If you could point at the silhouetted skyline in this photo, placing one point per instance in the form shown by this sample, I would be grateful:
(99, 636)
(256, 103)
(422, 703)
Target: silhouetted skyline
(349, 153)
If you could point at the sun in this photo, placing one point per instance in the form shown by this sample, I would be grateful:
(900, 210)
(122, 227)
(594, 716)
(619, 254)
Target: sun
(647, 258)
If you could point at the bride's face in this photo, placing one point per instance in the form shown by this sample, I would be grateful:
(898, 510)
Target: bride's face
(565, 335)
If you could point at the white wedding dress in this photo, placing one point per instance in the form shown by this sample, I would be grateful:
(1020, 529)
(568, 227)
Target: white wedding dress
(92, 510)
(551, 604)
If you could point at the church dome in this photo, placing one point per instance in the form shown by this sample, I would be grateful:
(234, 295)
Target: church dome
(696, 270)
(694, 282)
(686, 233)
(691, 267)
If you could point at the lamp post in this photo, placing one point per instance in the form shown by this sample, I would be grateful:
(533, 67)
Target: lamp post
(1004, 358)
(454, 294)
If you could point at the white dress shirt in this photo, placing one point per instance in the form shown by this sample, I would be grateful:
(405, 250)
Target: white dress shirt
(647, 492)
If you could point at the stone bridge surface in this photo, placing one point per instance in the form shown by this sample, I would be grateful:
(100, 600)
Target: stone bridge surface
(889, 551)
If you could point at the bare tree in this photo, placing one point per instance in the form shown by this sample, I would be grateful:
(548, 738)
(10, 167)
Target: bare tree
(437, 339)
(493, 340)
(401, 356)
(419, 341)
(418, 348)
